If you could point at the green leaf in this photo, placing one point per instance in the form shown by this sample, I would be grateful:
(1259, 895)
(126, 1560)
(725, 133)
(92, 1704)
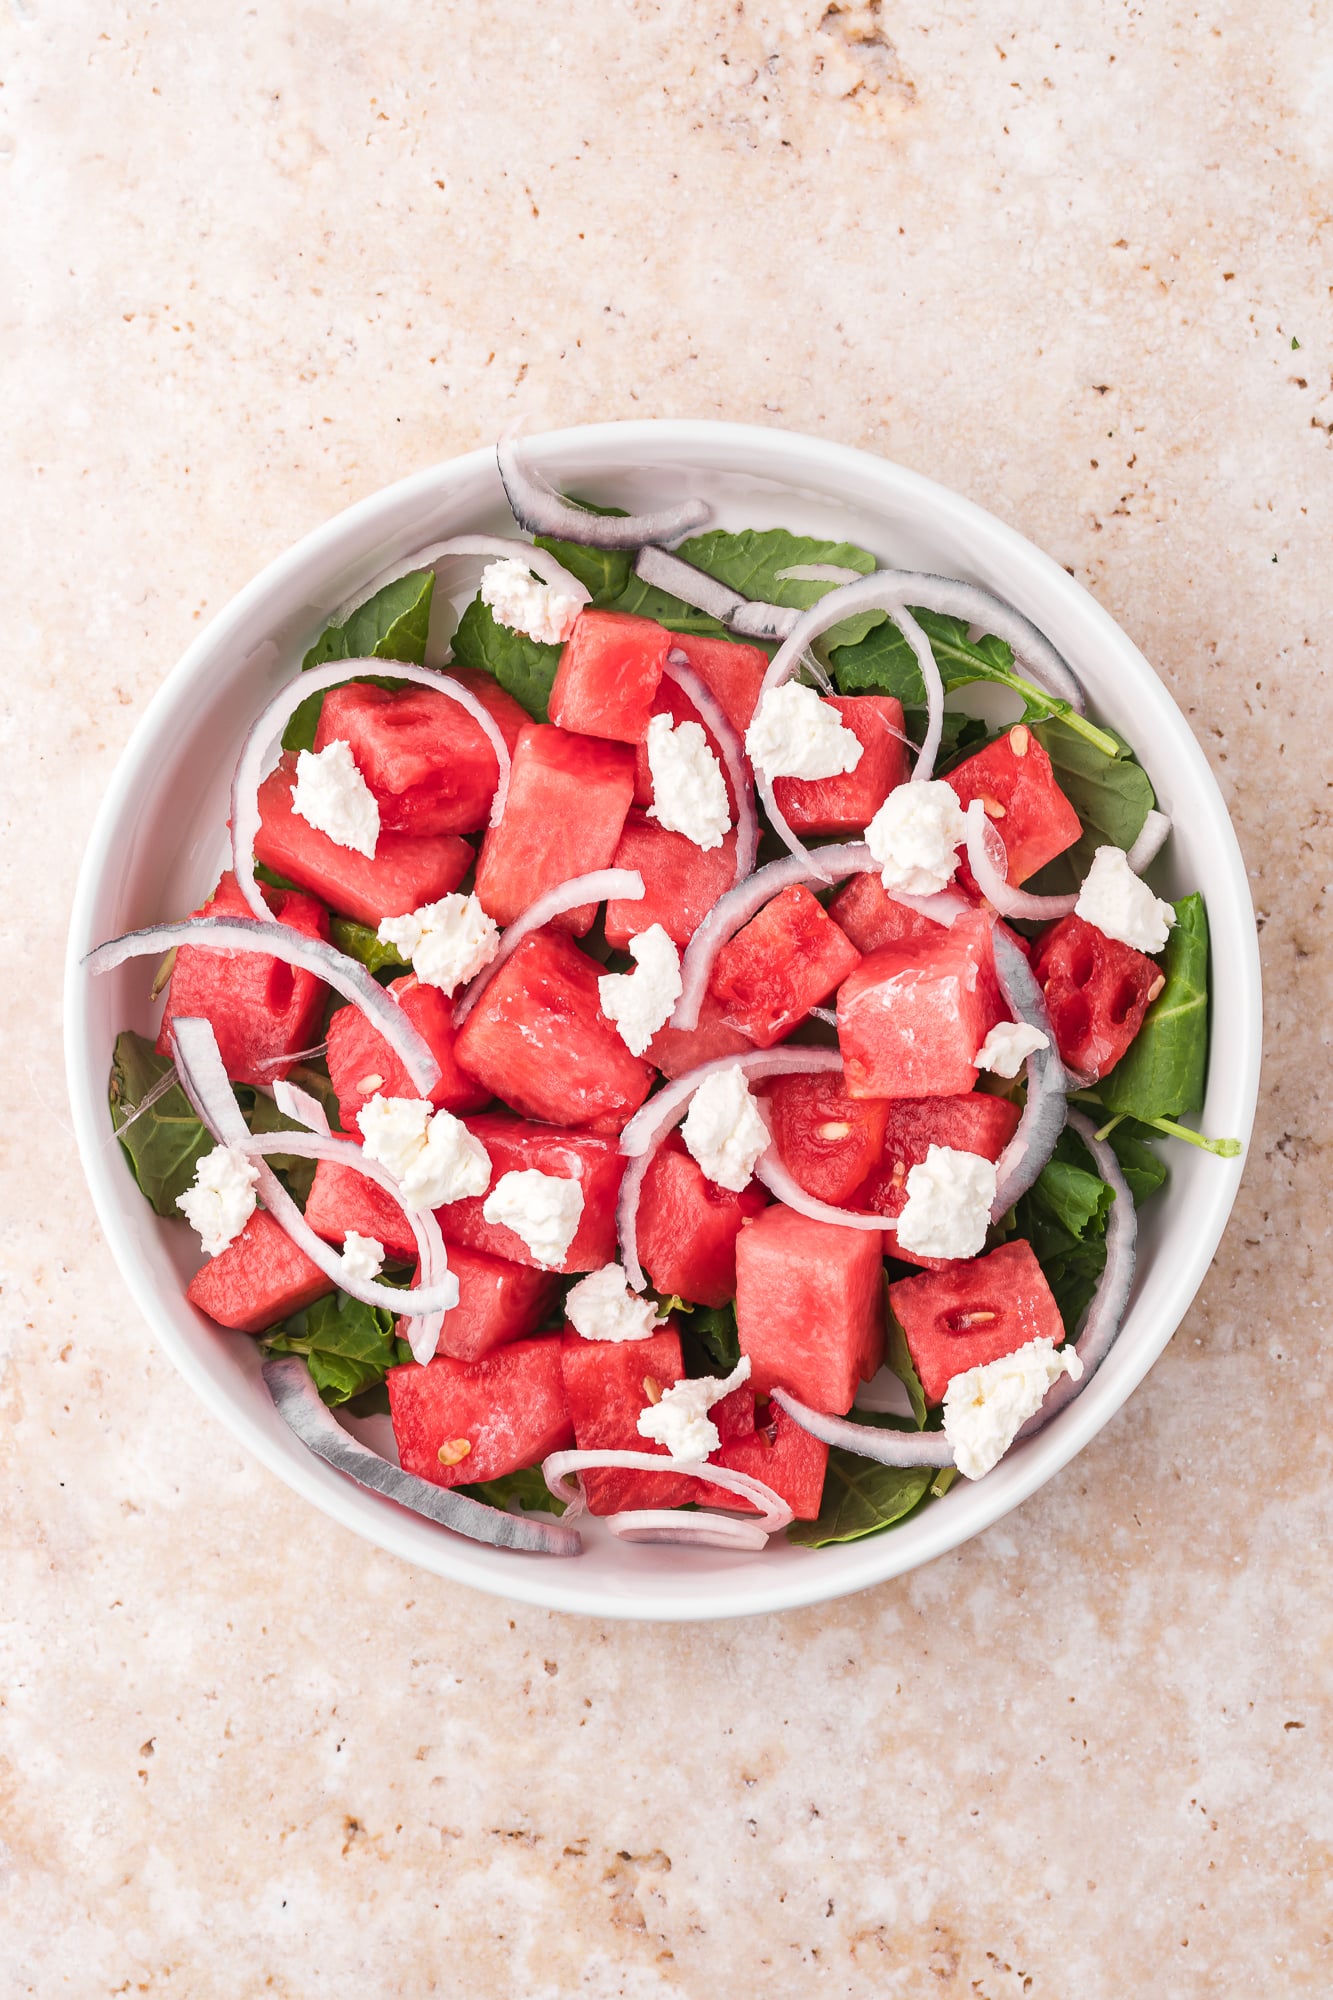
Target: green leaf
(750, 561)
(361, 942)
(391, 625)
(165, 1143)
(1144, 1172)
(645, 600)
(709, 1341)
(861, 1498)
(604, 573)
(899, 1361)
(524, 667)
(1075, 1197)
(1163, 1071)
(1111, 795)
(349, 1346)
(526, 1488)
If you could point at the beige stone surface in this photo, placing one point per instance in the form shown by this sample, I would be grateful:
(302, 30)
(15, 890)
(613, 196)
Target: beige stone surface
(1071, 258)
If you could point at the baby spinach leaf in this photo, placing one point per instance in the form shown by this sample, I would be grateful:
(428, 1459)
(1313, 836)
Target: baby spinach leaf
(391, 625)
(526, 1489)
(1111, 795)
(524, 667)
(709, 1341)
(898, 1359)
(645, 600)
(750, 561)
(348, 1346)
(1162, 1073)
(360, 941)
(165, 1143)
(1073, 1196)
(1144, 1172)
(602, 572)
(861, 1498)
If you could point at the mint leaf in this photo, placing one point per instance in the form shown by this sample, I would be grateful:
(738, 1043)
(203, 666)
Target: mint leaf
(526, 1489)
(165, 1143)
(524, 667)
(347, 1345)
(750, 561)
(361, 942)
(1163, 1071)
(391, 625)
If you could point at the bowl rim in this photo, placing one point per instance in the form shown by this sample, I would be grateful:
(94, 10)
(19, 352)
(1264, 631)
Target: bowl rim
(774, 455)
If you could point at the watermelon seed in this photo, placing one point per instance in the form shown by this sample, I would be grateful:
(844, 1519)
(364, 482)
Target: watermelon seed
(652, 1388)
(454, 1450)
(965, 1321)
(1019, 738)
(164, 972)
(834, 1131)
(1156, 986)
(371, 1082)
(991, 807)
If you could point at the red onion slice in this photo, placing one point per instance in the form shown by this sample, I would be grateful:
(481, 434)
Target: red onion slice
(1151, 840)
(297, 1402)
(781, 1183)
(603, 883)
(345, 975)
(773, 1509)
(1032, 650)
(1047, 1106)
(692, 586)
(496, 547)
(693, 1531)
(990, 877)
(538, 508)
(268, 730)
(886, 1447)
(728, 741)
(294, 1102)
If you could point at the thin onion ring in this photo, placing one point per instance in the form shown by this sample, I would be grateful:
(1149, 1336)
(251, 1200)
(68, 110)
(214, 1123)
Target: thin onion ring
(774, 1510)
(990, 879)
(497, 547)
(1047, 1105)
(538, 508)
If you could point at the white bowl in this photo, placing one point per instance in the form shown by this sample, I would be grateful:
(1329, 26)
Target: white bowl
(157, 844)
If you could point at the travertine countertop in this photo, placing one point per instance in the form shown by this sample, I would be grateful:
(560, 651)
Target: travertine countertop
(1072, 259)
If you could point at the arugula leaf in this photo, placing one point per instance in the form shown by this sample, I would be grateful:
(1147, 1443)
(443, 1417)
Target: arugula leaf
(749, 562)
(1111, 795)
(898, 1359)
(1162, 1072)
(526, 1487)
(348, 1346)
(862, 1497)
(165, 1143)
(391, 625)
(524, 667)
(361, 942)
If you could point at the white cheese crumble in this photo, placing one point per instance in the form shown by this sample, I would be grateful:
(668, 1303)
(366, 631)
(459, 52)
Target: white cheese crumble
(221, 1199)
(434, 1159)
(724, 1130)
(641, 1002)
(1120, 905)
(681, 1421)
(363, 1258)
(544, 1209)
(796, 735)
(447, 943)
(1008, 1046)
(525, 604)
(689, 791)
(985, 1408)
(602, 1307)
(331, 795)
(915, 836)
(948, 1204)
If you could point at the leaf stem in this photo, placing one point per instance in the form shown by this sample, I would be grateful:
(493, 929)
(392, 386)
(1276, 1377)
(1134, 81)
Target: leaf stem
(1223, 1149)
(1109, 1127)
(1060, 711)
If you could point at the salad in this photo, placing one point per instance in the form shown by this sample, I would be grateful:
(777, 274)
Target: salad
(662, 1049)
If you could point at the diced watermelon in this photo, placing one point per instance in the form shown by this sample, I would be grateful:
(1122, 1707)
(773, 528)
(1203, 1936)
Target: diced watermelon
(509, 1408)
(341, 1199)
(1097, 992)
(781, 1454)
(608, 675)
(733, 672)
(780, 965)
(973, 1123)
(261, 1009)
(568, 797)
(810, 1306)
(429, 764)
(688, 1226)
(867, 912)
(828, 1141)
(848, 803)
(974, 1311)
(607, 1389)
(913, 1015)
(539, 1039)
(497, 1302)
(682, 882)
(1014, 781)
(259, 1279)
(361, 1063)
(595, 1162)
(676, 1050)
(406, 870)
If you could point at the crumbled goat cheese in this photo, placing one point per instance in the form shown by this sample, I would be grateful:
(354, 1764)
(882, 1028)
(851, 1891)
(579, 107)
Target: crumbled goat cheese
(544, 1209)
(985, 1408)
(915, 836)
(221, 1199)
(602, 1307)
(1120, 905)
(642, 1002)
(796, 735)
(948, 1204)
(525, 604)
(724, 1130)
(689, 791)
(447, 943)
(331, 795)
(1008, 1046)
(434, 1159)
(680, 1420)
(363, 1258)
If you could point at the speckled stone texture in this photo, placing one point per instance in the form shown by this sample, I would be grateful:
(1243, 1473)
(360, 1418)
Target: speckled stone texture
(1071, 258)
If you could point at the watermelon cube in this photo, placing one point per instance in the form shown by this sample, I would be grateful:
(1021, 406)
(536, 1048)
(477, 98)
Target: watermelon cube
(508, 1409)
(688, 1227)
(827, 1140)
(595, 1162)
(341, 1199)
(1097, 992)
(913, 1015)
(568, 797)
(780, 965)
(973, 1123)
(810, 1306)
(539, 1039)
(430, 765)
(867, 912)
(261, 1009)
(847, 803)
(732, 673)
(676, 1050)
(497, 1302)
(361, 1063)
(1014, 781)
(608, 1384)
(781, 1454)
(259, 1279)
(682, 882)
(608, 675)
(406, 870)
(974, 1311)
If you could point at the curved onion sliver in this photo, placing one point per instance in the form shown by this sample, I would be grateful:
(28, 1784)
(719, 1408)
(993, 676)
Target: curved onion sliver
(886, 1447)
(990, 877)
(773, 1509)
(496, 547)
(1047, 1106)
(537, 507)
(729, 743)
